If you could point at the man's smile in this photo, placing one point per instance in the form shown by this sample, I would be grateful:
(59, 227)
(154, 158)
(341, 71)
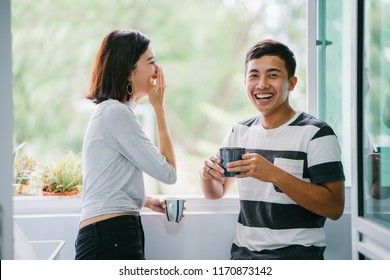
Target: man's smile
(263, 96)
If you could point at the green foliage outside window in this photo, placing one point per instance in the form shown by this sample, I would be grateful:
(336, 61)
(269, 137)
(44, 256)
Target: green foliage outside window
(201, 45)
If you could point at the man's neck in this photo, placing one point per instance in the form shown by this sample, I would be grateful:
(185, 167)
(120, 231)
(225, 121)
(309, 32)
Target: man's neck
(277, 119)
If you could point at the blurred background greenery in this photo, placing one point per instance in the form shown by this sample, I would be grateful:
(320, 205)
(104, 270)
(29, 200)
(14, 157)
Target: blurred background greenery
(201, 45)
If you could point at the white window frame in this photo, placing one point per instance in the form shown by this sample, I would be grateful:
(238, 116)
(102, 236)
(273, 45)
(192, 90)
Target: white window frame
(311, 40)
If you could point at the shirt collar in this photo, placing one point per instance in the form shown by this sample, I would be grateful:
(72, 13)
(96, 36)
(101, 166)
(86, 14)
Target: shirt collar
(131, 104)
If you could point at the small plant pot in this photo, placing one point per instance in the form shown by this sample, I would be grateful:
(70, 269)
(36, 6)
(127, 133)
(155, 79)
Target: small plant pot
(68, 193)
(21, 188)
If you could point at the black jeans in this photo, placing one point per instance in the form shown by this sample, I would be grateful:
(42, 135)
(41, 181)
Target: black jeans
(118, 238)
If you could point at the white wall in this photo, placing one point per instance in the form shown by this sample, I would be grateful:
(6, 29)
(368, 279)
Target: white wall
(197, 237)
(206, 232)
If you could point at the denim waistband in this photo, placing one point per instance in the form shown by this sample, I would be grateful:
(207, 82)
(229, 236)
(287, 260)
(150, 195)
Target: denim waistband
(111, 224)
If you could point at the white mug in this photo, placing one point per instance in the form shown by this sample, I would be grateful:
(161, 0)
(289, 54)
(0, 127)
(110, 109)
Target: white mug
(174, 209)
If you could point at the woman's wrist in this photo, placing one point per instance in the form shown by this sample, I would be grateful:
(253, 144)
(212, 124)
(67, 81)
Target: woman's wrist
(159, 108)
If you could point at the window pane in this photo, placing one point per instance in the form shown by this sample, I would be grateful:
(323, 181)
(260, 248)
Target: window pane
(377, 111)
(201, 45)
(334, 93)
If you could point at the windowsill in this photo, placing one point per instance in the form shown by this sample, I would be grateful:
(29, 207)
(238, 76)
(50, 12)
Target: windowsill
(26, 205)
(63, 205)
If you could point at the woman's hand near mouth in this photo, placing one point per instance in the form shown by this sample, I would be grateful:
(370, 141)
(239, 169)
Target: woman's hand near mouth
(157, 88)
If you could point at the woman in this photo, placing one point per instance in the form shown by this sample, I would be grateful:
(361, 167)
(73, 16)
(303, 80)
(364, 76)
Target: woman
(116, 150)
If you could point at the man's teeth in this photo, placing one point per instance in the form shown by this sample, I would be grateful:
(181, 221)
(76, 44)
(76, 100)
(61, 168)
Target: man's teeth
(263, 96)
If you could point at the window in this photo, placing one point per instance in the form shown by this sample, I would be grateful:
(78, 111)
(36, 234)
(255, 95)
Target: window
(201, 45)
(376, 83)
(334, 75)
(370, 220)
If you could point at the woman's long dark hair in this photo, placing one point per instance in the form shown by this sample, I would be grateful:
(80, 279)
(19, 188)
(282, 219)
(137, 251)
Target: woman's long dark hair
(117, 57)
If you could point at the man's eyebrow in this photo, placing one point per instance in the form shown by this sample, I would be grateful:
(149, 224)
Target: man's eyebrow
(267, 71)
(253, 71)
(274, 70)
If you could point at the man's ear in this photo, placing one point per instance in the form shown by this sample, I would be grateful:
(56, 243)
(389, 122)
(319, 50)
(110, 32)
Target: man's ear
(293, 82)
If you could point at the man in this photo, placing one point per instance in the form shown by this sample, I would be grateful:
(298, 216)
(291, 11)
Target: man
(291, 177)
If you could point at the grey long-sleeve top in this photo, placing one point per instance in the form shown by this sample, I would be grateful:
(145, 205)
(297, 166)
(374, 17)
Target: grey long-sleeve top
(116, 152)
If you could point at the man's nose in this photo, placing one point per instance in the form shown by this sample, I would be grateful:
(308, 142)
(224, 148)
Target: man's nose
(262, 83)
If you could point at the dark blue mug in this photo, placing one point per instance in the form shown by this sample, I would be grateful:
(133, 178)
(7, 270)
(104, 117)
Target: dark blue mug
(229, 154)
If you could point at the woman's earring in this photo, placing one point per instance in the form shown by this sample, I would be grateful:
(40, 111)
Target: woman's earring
(129, 88)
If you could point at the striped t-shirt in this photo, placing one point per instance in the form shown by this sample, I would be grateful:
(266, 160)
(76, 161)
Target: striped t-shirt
(270, 224)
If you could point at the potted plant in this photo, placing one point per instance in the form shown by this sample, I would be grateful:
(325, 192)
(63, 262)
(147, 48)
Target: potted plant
(24, 167)
(63, 177)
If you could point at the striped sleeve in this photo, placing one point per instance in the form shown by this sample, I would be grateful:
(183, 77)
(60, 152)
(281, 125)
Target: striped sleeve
(324, 157)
